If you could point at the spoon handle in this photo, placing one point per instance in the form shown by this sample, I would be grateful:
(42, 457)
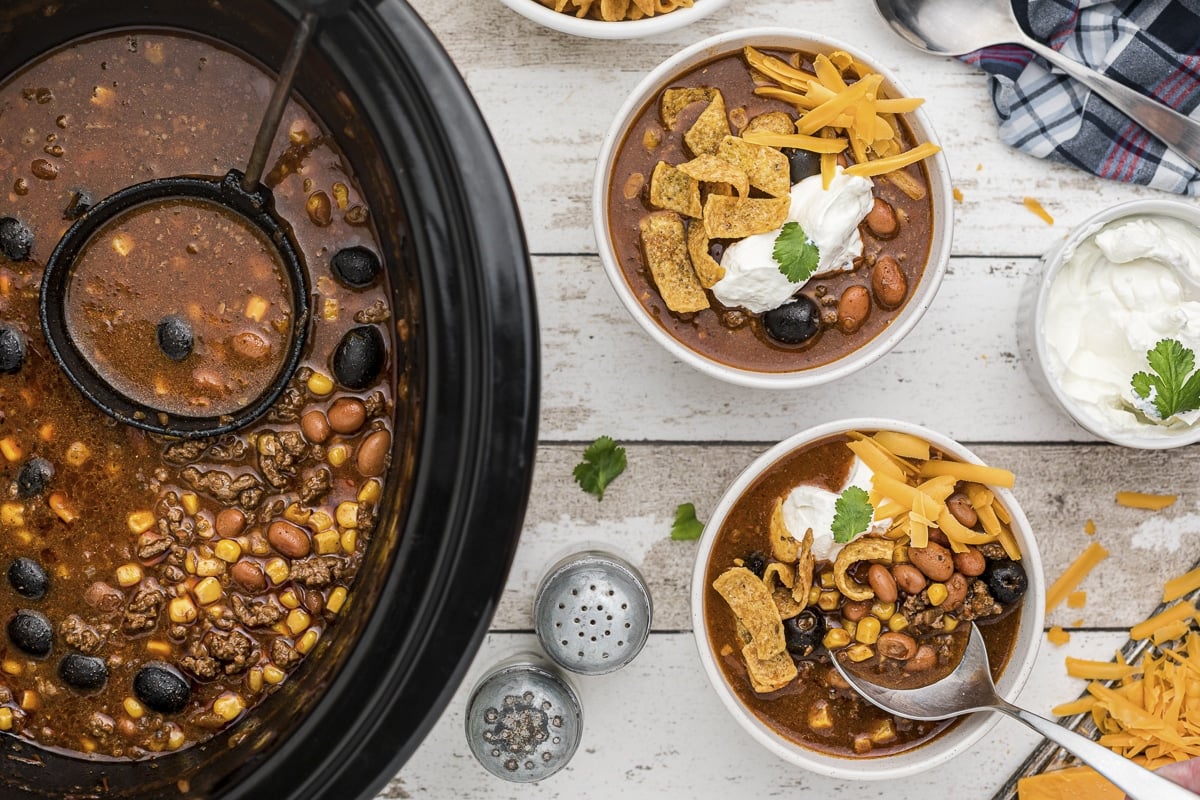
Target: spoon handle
(1137, 782)
(1178, 132)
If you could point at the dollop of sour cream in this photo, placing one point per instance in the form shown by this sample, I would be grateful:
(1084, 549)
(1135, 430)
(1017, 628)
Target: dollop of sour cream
(813, 507)
(1127, 286)
(830, 219)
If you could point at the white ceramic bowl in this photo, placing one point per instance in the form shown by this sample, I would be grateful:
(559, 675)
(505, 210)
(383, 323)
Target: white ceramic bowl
(963, 735)
(1042, 364)
(599, 29)
(942, 200)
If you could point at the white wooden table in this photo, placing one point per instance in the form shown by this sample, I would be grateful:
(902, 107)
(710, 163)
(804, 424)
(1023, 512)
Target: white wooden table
(655, 729)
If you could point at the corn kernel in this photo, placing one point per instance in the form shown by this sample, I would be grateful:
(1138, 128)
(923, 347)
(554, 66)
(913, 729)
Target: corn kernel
(175, 739)
(836, 638)
(326, 542)
(273, 674)
(254, 679)
(62, 507)
(337, 599)
(347, 515)
(30, 701)
(24, 536)
(859, 652)
(46, 432)
(937, 593)
(11, 448)
(883, 611)
(210, 567)
(229, 706)
(208, 591)
(337, 455)
(277, 570)
(288, 599)
(62, 571)
(370, 492)
(867, 631)
(828, 601)
(159, 647)
(883, 731)
(12, 515)
(897, 623)
(329, 309)
(87, 745)
(825, 580)
(6, 719)
(121, 244)
(256, 308)
(191, 503)
(319, 384)
(182, 610)
(11, 667)
(819, 716)
(308, 641)
(78, 454)
(129, 575)
(349, 541)
(949, 623)
(321, 521)
(133, 708)
(228, 550)
(189, 563)
(140, 521)
(298, 620)
(297, 513)
(814, 594)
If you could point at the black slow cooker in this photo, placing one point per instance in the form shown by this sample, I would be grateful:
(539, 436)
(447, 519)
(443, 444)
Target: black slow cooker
(458, 486)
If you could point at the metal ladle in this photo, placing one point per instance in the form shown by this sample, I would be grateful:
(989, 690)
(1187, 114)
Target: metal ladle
(958, 27)
(969, 688)
(242, 193)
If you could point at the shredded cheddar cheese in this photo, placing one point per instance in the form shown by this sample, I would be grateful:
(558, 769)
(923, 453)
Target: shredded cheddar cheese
(1098, 670)
(1176, 613)
(1057, 636)
(1073, 783)
(1150, 502)
(1089, 528)
(1077, 600)
(958, 195)
(1033, 205)
(1178, 587)
(1092, 555)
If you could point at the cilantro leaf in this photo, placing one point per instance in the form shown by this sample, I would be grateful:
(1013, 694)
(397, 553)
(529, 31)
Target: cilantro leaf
(686, 527)
(1174, 387)
(602, 462)
(852, 514)
(795, 253)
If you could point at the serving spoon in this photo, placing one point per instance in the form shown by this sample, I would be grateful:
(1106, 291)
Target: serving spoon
(969, 688)
(958, 27)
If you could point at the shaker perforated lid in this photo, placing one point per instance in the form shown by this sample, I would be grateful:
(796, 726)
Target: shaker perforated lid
(523, 720)
(592, 612)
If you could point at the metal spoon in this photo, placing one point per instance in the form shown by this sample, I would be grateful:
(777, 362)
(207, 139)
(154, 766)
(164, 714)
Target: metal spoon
(958, 27)
(969, 688)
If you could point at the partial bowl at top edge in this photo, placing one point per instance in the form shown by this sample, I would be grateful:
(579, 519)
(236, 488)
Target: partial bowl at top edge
(959, 738)
(650, 311)
(1044, 366)
(626, 29)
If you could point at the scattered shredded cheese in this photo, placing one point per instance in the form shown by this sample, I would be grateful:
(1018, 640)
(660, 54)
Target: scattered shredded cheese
(1057, 636)
(1176, 613)
(1178, 587)
(1092, 555)
(1072, 783)
(958, 195)
(1098, 670)
(1089, 528)
(1036, 207)
(1151, 502)
(1077, 600)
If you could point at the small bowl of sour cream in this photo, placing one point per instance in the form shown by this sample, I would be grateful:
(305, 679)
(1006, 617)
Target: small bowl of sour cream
(1124, 283)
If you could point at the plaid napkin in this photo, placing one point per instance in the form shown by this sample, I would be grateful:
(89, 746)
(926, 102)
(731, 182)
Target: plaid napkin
(1151, 44)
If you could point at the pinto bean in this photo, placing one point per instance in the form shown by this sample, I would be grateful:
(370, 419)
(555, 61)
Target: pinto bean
(290, 540)
(881, 219)
(934, 560)
(956, 592)
(249, 575)
(315, 427)
(347, 415)
(373, 454)
(971, 563)
(230, 522)
(909, 578)
(888, 282)
(960, 507)
(925, 658)
(882, 582)
(250, 346)
(899, 646)
(853, 308)
(857, 610)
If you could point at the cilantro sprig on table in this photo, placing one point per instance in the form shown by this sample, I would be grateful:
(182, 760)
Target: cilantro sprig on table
(1174, 386)
(686, 527)
(602, 462)
(796, 254)
(852, 514)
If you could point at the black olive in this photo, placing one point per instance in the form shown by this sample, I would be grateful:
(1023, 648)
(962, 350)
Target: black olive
(12, 348)
(34, 477)
(16, 239)
(85, 673)
(356, 267)
(716, 250)
(31, 632)
(359, 357)
(802, 164)
(81, 203)
(794, 322)
(1005, 580)
(161, 688)
(28, 578)
(175, 337)
(804, 633)
(756, 563)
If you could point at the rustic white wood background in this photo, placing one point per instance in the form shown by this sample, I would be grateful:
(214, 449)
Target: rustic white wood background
(655, 729)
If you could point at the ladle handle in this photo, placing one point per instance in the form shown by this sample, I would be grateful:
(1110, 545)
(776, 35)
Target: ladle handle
(1137, 782)
(1176, 131)
(278, 102)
